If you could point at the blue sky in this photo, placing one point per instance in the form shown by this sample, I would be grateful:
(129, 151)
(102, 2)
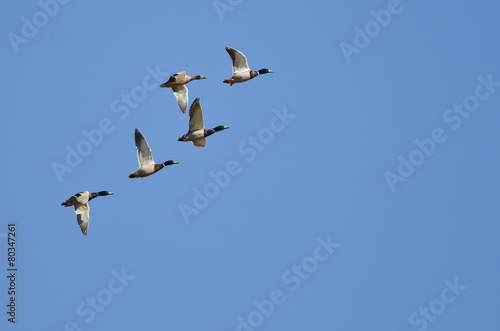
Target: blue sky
(356, 189)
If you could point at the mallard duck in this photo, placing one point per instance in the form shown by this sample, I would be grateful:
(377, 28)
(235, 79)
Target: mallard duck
(241, 71)
(178, 83)
(147, 165)
(80, 202)
(197, 131)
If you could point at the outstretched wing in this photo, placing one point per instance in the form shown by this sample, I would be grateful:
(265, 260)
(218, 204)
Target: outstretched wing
(180, 77)
(195, 116)
(144, 154)
(239, 60)
(79, 198)
(181, 94)
(200, 142)
(82, 216)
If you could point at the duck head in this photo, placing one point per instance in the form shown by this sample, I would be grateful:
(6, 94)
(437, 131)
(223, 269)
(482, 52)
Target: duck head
(169, 162)
(220, 128)
(101, 193)
(264, 71)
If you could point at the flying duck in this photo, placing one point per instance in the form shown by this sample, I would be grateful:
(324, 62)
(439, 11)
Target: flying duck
(80, 202)
(197, 131)
(241, 71)
(147, 165)
(178, 83)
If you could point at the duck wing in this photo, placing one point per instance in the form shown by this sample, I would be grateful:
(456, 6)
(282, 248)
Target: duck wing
(144, 154)
(239, 60)
(82, 216)
(180, 77)
(195, 116)
(80, 198)
(181, 94)
(200, 142)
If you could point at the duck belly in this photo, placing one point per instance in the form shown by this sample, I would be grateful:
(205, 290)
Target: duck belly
(146, 170)
(195, 135)
(241, 77)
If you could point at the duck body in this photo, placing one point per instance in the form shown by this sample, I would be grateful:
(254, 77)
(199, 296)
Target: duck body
(80, 198)
(180, 79)
(197, 132)
(82, 209)
(177, 83)
(241, 71)
(197, 137)
(147, 170)
(147, 166)
(241, 76)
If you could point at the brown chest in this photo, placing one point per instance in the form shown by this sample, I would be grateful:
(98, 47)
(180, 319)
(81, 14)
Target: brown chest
(208, 132)
(158, 167)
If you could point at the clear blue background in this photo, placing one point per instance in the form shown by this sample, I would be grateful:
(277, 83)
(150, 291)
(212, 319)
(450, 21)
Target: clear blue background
(321, 177)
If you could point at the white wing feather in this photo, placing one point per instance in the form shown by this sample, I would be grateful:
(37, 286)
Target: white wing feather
(144, 154)
(195, 116)
(239, 60)
(82, 216)
(181, 94)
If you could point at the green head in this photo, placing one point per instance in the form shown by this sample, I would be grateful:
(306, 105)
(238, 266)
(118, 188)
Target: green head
(220, 128)
(199, 77)
(264, 71)
(169, 162)
(104, 193)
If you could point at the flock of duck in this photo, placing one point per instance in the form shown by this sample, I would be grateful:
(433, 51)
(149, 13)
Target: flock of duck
(196, 133)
